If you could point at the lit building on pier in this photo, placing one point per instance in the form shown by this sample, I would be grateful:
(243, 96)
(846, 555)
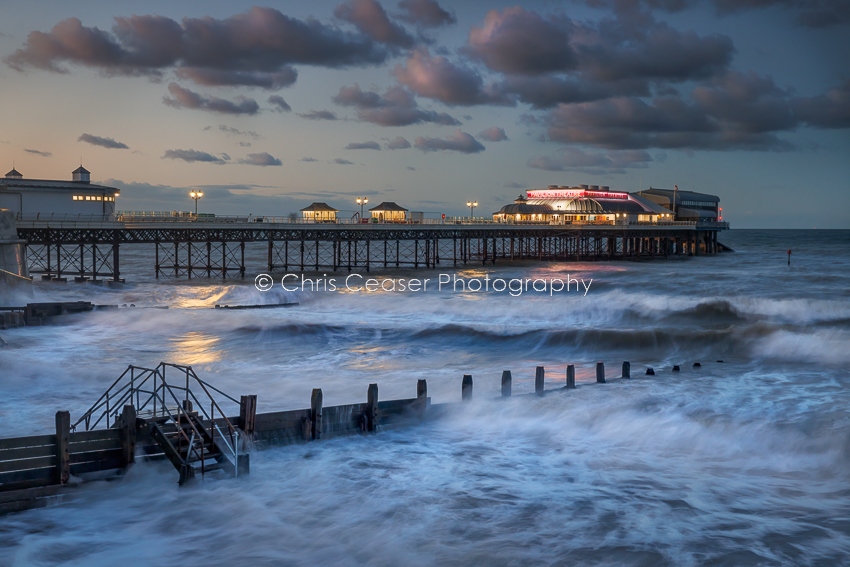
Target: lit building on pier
(582, 204)
(687, 205)
(42, 196)
(319, 212)
(389, 212)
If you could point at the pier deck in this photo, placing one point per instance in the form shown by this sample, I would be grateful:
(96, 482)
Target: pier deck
(207, 247)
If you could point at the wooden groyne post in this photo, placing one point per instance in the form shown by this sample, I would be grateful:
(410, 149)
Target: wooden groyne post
(372, 408)
(315, 420)
(539, 380)
(466, 388)
(627, 369)
(506, 383)
(571, 376)
(600, 372)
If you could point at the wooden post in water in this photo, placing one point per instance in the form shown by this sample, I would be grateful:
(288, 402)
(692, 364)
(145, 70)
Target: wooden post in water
(539, 380)
(421, 395)
(247, 413)
(600, 372)
(63, 454)
(571, 376)
(372, 408)
(506, 383)
(466, 388)
(627, 369)
(316, 414)
(128, 435)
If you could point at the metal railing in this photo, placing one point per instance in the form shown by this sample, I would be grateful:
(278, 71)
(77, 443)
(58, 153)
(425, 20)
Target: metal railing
(150, 392)
(178, 217)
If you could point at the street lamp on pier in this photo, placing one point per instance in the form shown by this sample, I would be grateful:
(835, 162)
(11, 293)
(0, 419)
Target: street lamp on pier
(362, 201)
(196, 195)
(472, 205)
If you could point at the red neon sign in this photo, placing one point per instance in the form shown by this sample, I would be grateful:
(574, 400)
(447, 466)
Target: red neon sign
(573, 194)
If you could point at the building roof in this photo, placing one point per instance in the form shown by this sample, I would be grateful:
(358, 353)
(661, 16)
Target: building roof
(52, 184)
(650, 205)
(320, 208)
(682, 195)
(524, 209)
(14, 173)
(388, 206)
(81, 169)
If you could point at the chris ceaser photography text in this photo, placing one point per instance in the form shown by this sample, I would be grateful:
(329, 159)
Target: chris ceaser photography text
(445, 282)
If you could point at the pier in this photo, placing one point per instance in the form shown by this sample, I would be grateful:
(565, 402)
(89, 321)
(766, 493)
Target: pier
(88, 248)
(169, 413)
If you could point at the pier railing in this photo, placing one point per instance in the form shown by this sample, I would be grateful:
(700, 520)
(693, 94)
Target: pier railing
(70, 220)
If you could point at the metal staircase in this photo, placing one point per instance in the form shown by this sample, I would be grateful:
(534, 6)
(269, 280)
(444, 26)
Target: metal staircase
(171, 420)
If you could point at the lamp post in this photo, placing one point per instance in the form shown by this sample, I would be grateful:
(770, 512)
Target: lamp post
(362, 201)
(471, 205)
(196, 195)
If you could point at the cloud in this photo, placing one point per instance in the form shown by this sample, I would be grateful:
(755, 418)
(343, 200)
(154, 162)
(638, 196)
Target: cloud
(574, 159)
(515, 185)
(398, 143)
(254, 48)
(340, 161)
(363, 146)
(440, 79)
(318, 115)
(457, 142)
(285, 77)
(522, 42)
(397, 107)
(736, 111)
(262, 159)
(370, 18)
(830, 110)
(38, 152)
(411, 168)
(425, 13)
(194, 156)
(494, 134)
(308, 159)
(102, 142)
(280, 104)
(236, 132)
(185, 98)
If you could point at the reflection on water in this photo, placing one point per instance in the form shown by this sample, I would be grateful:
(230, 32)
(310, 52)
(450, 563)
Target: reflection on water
(195, 347)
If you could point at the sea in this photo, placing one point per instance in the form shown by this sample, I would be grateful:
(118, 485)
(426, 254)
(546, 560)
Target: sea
(742, 460)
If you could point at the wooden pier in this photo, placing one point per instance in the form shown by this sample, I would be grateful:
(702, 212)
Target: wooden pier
(90, 250)
(151, 414)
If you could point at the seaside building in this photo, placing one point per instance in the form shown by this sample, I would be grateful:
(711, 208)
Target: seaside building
(583, 203)
(36, 196)
(319, 212)
(687, 205)
(388, 211)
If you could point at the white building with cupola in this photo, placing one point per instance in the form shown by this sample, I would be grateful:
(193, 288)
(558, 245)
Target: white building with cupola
(46, 198)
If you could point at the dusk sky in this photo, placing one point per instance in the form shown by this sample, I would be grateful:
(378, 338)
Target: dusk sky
(267, 108)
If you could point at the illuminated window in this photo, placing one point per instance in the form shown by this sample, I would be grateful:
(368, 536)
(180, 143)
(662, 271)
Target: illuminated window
(99, 198)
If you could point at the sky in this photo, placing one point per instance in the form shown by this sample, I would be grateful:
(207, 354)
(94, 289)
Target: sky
(267, 108)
